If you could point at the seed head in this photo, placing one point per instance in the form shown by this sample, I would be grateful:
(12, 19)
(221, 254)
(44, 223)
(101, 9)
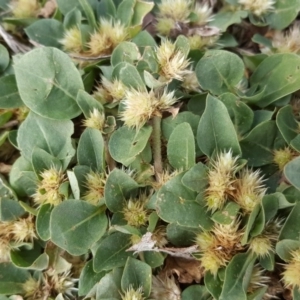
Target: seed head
(282, 157)
(164, 287)
(165, 25)
(140, 106)
(172, 62)
(190, 82)
(110, 34)
(160, 237)
(135, 212)
(291, 274)
(249, 190)
(204, 14)
(258, 279)
(96, 120)
(48, 188)
(95, 184)
(178, 10)
(31, 289)
(202, 42)
(257, 7)
(72, 41)
(132, 294)
(24, 8)
(212, 261)
(23, 230)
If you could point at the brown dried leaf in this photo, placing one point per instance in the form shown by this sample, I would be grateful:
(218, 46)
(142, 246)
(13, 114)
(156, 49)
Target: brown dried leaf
(4, 168)
(187, 270)
(48, 9)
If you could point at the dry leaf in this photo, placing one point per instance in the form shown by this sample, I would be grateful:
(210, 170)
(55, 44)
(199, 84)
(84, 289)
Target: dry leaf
(48, 9)
(187, 270)
(4, 168)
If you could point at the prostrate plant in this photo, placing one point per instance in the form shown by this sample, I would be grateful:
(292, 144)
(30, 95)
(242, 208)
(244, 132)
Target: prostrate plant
(149, 164)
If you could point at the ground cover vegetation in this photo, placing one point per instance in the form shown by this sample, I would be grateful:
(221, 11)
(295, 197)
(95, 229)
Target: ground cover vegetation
(149, 150)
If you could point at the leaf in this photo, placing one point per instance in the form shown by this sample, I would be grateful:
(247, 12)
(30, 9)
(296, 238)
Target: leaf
(125, 52)
(285, 247)
(224, 19)
(181, 236)
(111, 252)
(43, 221)
(72, 18)
(4, 58)
(258, 145)
(119, 186)
(47, 32)
(196, 292)
(87, 103)
(68, 230)
(196, 178)
(50, 88)
(88, 278)
(291, 227)
(234, 277)
(213, 284)
(9, 97)
(223, 71)
(90, 150)
(181, 147)
(9, 209)
(86, 7)
(52, 136)
(141, 9)
(74, 184)
(125, 11)
(291, 172)
(283, 13)
(106, 8)
(227, 215)
(136, 274)
(12, 279)
(126, 143)
(278, 75)
(216, 132)
(176, 204)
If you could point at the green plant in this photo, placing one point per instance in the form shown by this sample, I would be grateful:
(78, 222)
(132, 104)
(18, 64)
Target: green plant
(149, 164)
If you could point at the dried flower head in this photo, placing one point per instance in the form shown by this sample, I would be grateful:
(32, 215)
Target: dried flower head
(220, 178)
(257, 7)
(249, 190)
(72, 41)
(203, 13)
(172, 62)
(95, 183)
(96, 120)
(135, 212)
(165, 25)
(5, 248)
(283, 156)
(110, 34)
(178, 10)
(110, 91)
(164, 287)
(212, 261)
(140, 106)
(291, 274)
(201, 42)
(132, 294)
(23, 230)
(190, 82)
(258, 279)
(160, 236)
(24, 8)
(163, 178)
(48, 188)
(32, 289)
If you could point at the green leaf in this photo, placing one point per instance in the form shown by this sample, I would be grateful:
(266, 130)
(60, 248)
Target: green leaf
(176, 204)
(47, 32)
(72, 18)
(286, 123)
(9, 97)
(88, 278)
(9, 209)
(69, 230)
(42, 160)
(223, 71)
(12, 279)
(137, 274)
(283, 14)
(67, 5)
(43, 221)
(86, 7)
(181, 147)
(50, 88)
(74, 184)
(216, 132)
(126, 143)
(213, 284)
(129, 75)
(141, 9)
(258, 145)
(90, 150)
(227, 214)
(119, 186)
(285, 247)
(196, 178)
(224, 19)
(181, 236)
(234, 277)
(111, 252)
(31, 259)
(291, 172)
(291, 227)
(106, 8)
(87, 103)
(196, 292)
(240, 113)
(125, 52)
(52, 136)
(250, 222)
(125, 11)
(278, 75)
(4, 58)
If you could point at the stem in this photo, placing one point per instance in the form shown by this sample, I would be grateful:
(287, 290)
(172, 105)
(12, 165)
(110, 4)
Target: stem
(109, 160)
(156, 146)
